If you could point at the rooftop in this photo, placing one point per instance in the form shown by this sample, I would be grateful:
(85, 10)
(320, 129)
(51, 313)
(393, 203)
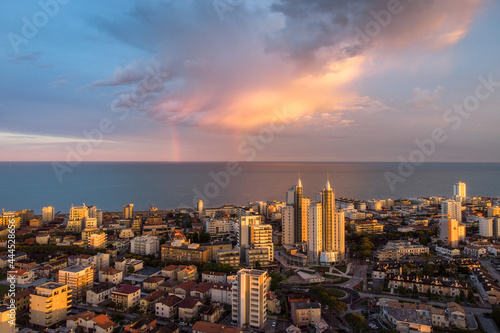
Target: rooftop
(126, 289)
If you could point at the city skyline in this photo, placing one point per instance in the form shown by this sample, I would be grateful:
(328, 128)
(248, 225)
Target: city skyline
(193, 81)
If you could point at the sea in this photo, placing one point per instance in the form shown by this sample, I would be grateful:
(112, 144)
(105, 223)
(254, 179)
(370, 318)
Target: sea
(110, 185)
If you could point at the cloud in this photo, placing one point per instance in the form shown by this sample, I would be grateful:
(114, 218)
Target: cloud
(59, 83)
(299, 56)
(424, 98)
(30, 58)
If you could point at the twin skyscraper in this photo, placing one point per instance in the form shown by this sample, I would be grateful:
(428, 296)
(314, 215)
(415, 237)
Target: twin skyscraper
(316, 226)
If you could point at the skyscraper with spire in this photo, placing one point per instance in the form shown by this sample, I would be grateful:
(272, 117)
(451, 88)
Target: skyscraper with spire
(295, 216)
(326, 229)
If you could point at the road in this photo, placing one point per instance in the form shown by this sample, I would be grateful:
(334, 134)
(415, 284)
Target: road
(488, 325)
(494, 273)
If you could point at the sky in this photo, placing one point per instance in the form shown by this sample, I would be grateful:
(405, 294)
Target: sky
(277, 80)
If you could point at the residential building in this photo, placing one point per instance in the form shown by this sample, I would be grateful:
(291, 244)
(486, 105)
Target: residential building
(89, 322)
(128, 211)
(180, 251)
(333, 228)
(221, 293)
(249, 306)
(453, 209)
(78, 278)
(168, 307)
(48, 214)
(184, 288)
(188, 308)
(214, 277)
(148, 303)
(7, 324)
(460, 192)
(49, 304)
(110, 274)
(186, 273)
(447, 251)
(126, 296)
(273, 302)
(229, 257)
(145, 245)
(306, 313)
(475, 251)
(439, 286)
(294, 221)
(368, 227)
(315, 232)
(97, 240)
(100, 293)
(152, 282)
(456, 315)
(124, 264)
(142, 324)
(22, 276)
(217, 227)
(201, 290)
(451, 232)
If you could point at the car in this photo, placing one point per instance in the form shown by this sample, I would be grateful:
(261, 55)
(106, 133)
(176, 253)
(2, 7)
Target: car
(182, 323)
(274, 324)
(326, 307)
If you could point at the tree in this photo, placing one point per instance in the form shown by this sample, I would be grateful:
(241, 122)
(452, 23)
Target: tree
(275, 280)
(495, 315)
(204, 237)
(196, 238)
(357, 322)
(257, 265)
(130, 269)
(470, 297)
(461, 297)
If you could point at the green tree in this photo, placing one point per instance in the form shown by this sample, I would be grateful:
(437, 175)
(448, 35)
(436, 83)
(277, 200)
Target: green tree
(196, 237)
(130, 269)
(357, 323)
(204, 237)
(495, 315)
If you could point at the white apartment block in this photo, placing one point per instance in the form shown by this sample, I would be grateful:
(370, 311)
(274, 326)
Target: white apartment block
(48, 214)
(249, 305)
(315, 232)
(145, 245)
(219, 226)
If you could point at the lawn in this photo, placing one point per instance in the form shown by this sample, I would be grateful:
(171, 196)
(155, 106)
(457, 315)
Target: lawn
(343, 280)
(4, 290)
(343, 268)
(337, 293)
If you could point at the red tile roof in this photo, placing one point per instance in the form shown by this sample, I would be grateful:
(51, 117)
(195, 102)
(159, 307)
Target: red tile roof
(189, 302)
(126, 289)
(188, 285)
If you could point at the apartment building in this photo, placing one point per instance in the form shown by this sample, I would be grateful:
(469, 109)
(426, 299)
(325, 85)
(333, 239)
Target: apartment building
(145, 245)
(78, 278)
(249, 305)
(49, 304)
(126, 296)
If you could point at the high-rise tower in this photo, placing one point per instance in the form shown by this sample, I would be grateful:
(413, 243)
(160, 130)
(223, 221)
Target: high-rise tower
(460, 192)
